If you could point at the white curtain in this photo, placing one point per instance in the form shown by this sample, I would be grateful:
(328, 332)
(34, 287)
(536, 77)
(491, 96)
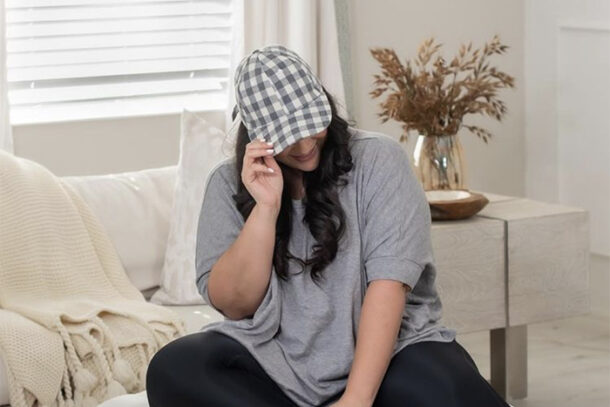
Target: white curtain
(307, 27)
(6, 135)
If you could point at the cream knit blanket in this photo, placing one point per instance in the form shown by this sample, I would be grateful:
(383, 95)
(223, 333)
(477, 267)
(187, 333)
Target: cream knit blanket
(74, 331)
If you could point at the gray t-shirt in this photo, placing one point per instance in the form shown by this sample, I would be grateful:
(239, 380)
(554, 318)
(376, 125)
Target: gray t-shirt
(303, 335)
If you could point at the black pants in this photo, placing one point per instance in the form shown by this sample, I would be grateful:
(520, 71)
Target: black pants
(209, 369)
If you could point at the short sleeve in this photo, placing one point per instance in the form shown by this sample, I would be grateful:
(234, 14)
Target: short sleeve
(396, 237)
(218, 227)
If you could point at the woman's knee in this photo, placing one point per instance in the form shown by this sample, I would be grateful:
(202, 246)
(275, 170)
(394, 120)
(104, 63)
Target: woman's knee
(399, 389)
(179, 363)
(163, 369)
(434, 374)
(157, 376)
(416, 376)
(162, 361)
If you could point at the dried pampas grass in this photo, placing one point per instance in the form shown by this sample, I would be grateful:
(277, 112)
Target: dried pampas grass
(434, 101)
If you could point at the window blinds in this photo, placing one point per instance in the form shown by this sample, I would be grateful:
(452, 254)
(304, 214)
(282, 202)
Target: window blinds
(83, 59)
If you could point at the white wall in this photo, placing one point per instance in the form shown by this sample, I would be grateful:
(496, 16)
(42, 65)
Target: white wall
(104, 146)
(402, 25)
(568, 102)
(567, 67)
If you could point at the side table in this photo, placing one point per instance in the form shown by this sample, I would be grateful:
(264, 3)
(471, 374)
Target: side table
(516, 262)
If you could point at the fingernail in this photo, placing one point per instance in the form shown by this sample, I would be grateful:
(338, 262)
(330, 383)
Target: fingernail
(270, 169)
(269, 150)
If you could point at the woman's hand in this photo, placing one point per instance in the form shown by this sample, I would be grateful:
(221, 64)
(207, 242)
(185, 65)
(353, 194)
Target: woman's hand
(264, 186)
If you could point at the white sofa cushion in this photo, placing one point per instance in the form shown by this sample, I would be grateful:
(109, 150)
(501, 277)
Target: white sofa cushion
(134, 208)
(202, 147)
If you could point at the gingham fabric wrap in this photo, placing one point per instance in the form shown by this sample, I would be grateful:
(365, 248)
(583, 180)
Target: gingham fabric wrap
(279, 98)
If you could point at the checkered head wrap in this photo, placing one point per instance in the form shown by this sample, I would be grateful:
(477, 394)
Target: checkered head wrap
(279, 98)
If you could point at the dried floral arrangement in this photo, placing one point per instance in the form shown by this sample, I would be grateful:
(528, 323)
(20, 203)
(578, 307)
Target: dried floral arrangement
(434, 101)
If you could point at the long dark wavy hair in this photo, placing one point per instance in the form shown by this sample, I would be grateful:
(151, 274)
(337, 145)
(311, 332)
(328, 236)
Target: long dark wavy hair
(323, 212)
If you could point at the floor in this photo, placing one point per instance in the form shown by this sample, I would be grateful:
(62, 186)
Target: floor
(568, 360)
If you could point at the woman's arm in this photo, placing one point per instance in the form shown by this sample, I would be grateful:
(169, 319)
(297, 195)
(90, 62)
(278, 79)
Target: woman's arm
(239, 279)
(382, 310)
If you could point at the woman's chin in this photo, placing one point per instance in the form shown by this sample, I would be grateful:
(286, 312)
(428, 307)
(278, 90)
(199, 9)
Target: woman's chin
(308, 165)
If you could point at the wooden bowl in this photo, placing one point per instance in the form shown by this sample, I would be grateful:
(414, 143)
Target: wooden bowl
(451, 204)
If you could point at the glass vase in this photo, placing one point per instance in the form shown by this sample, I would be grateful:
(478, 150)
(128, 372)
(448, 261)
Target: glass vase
(439, 162)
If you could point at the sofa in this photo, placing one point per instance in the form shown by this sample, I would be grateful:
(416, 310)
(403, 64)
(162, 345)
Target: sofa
(134, 208)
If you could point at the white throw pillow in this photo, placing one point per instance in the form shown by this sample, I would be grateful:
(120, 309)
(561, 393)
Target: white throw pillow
(202, 147)
(134, 207)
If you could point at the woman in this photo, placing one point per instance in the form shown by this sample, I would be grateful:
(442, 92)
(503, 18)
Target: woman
(316, 248)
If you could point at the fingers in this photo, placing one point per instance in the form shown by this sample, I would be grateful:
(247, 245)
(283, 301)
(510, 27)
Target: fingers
(257, 148)
(255, 156)
(261, 168)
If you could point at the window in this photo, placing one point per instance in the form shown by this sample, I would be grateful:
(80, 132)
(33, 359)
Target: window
(85, 59)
